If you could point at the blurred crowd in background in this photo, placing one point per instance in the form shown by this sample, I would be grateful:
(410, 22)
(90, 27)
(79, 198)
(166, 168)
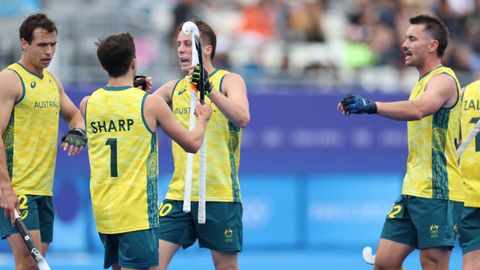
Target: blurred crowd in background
(325, 42)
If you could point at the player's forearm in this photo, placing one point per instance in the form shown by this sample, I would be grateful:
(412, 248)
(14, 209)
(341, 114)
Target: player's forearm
(4, 179)
(75, 120)
(400, 110)
(197, 137)
(234, 112)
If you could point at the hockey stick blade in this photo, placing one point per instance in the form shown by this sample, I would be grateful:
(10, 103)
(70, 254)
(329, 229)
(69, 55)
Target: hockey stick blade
(367, 255)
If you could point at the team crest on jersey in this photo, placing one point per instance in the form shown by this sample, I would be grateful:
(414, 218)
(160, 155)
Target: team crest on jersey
(8, 137)
(439, 139)
(152, 166)
(434, 228)
(233, 139)
(33, 83)
(228, 235)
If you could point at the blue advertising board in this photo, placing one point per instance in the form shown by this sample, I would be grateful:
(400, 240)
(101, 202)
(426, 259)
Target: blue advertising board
(347, 209)
(309, 176)
(303, 132)
(270, 212)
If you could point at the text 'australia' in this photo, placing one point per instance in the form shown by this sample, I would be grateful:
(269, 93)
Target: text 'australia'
(45, 104)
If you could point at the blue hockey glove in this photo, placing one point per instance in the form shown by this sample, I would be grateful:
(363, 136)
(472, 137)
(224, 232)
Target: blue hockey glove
(357, 104)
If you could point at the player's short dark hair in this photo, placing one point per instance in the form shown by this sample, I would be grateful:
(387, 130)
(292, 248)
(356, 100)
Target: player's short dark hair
(115, 53)
(34, 21)
(436, 28)
(207, 34)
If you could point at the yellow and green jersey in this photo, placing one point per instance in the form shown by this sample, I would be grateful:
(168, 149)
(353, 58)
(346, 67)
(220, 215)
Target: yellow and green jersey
(223, 140)
(123, 161)
(470, 159)
(31, 136)
(432, 168)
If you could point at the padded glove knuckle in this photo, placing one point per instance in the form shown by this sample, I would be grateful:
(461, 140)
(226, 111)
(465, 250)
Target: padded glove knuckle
(76, 137)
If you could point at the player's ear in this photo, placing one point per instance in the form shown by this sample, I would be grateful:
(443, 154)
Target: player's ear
(133, 64)
(23, 44)
(207, 50)
(434, 45)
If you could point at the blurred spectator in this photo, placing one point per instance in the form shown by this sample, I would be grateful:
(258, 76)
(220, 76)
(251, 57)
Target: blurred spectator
(258, 21)
(278, 37)
(183, 10)
(384, 45)
(453, 20)
(305, 21)
(368, 41)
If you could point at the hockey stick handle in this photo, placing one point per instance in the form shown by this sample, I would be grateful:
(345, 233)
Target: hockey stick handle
(469, 139)
(201, 86)
(32, 248)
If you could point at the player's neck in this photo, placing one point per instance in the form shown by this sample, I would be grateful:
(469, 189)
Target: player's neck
(429, 66)
(30, 67)
(126, 80)
(209, 67)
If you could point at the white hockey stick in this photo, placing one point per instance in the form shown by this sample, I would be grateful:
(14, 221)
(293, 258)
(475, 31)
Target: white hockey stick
(469, 139)
(202, 184)
(189, 28)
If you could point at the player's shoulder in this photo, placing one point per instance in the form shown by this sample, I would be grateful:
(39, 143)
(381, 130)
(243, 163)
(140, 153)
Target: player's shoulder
(474, 85)
(165, 91)
(9, 79)
(443, 80)
(153, 99)
(168, 86)
(55, 77)
(165, 87)
(83, 104)
(8, 74)
(232, 80)
(232, 76)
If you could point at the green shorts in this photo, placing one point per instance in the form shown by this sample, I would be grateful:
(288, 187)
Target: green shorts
(422, 223)
(37, 214)
(222, 231)
(138, 249)
(469, 230)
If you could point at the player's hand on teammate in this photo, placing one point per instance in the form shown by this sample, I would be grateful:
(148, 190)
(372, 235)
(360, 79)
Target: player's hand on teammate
(9, 201)
(357, 105)
(195, 79)
(203, 112)
(74, 141)
(143, 82)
